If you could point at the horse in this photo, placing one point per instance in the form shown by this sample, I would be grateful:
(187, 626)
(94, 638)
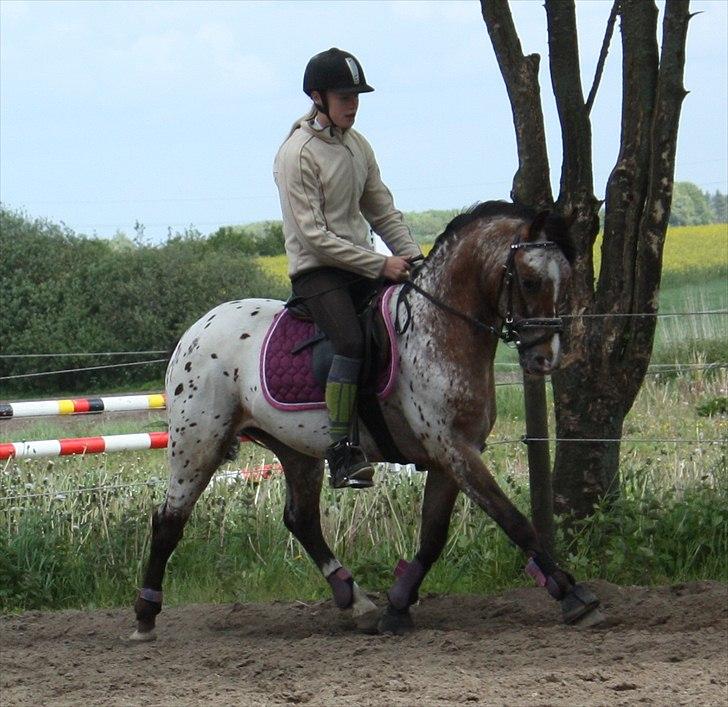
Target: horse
(497, 272)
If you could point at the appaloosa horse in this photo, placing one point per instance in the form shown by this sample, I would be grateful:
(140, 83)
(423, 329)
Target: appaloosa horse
(497, 271)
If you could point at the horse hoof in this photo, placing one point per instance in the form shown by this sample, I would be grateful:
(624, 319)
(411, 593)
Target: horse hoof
(578, 604)
(368, 622)
(592, 618)
(143, 636)
(395, 621)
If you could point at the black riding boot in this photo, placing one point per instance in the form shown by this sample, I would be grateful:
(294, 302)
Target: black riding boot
(348, 465)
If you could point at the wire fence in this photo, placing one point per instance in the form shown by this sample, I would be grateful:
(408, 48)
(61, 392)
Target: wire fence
(81, 354)
(663, 368)
(653, 369)
(85, 368)
(18, 376)
(252, 475)
(61, 494)
(657, 369)
(657, 315)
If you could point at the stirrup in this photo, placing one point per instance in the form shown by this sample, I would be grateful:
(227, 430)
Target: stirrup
(348, 466)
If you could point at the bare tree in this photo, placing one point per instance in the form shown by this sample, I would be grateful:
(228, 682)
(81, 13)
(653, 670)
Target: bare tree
(605, 357)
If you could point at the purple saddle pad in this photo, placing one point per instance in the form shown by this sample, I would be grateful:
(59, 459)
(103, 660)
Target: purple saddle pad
(287, 379)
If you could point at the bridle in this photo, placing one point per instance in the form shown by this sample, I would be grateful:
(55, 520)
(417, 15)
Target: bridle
(511, 327)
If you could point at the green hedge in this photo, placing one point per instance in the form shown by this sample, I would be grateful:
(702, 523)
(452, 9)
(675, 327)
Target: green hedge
(64, 293)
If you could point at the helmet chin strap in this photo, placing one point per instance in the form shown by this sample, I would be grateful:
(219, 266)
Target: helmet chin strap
(323, 107)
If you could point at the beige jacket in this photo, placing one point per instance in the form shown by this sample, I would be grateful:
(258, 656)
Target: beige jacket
(331, 192)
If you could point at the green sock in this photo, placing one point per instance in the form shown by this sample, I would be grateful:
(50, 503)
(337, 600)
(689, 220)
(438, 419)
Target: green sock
(341, 389)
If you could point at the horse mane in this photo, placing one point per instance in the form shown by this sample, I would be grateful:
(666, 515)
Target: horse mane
(556, 227)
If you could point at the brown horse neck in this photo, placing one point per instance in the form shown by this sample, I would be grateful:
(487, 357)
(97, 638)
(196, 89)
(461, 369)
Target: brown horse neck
(467, 273)
(466, 276)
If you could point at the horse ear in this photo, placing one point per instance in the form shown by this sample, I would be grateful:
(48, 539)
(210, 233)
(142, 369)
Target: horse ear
(534, 230)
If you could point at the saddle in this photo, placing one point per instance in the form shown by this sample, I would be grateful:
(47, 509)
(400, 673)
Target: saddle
(296, 357)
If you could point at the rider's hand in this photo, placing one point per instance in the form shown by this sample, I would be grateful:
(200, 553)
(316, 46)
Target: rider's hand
(396, 268)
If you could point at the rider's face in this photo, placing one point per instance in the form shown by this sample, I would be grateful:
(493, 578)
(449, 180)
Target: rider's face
(342, 108)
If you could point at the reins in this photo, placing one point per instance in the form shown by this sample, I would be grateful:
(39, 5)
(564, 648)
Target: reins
(509, 331)
(402, 300)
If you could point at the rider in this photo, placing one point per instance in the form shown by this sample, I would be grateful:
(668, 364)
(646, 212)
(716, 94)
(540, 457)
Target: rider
(331, 196)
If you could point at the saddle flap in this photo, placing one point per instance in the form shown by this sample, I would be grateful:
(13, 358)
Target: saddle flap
(294, 362)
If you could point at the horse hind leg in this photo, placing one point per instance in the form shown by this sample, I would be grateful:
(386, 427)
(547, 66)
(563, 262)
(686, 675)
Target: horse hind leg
(302, 517)
(197, 445)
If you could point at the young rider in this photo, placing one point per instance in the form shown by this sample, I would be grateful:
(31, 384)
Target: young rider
(331, 195)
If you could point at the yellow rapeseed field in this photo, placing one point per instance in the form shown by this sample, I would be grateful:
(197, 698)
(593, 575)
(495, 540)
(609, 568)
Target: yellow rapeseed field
(689, 248)
(686, 248)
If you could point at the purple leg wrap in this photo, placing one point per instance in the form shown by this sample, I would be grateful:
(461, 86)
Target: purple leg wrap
(543, 580)
(151, 595)
(409, 577)
(342, 587)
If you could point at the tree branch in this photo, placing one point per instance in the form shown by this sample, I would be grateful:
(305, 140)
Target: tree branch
(531, 183)
(602, 55)
(664, 130)
(627, 184)
(576, 195)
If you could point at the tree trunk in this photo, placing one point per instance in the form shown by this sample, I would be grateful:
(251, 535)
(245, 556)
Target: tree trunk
(531, 185)
(605, 357)
(609, 355)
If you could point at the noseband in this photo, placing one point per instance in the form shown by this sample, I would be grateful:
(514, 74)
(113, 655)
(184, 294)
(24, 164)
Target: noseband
(511, 327)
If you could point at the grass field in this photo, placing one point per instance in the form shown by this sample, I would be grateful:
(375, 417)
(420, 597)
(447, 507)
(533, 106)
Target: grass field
(74, 531)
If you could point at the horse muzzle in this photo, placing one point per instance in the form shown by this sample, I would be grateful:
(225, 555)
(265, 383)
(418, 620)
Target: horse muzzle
(538, 342)
(539, 364)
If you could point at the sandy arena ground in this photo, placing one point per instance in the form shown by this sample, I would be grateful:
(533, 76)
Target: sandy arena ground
(658, 646)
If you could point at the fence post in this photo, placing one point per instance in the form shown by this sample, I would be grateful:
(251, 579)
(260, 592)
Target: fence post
(539, 462)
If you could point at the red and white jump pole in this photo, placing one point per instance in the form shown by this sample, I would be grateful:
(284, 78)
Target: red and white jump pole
(83, 445)
(113, 443)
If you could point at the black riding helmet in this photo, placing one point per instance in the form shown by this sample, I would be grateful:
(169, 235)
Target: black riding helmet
(334, 70)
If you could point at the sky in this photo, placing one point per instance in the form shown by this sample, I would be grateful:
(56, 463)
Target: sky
(169, 113)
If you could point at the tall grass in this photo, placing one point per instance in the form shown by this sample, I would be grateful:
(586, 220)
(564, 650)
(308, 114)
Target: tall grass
(693, 338)
(63, 548)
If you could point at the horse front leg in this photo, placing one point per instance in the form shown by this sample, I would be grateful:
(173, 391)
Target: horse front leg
(440, 494)
(578, 604)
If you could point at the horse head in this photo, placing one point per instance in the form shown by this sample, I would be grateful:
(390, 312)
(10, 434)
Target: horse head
(536, 274)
